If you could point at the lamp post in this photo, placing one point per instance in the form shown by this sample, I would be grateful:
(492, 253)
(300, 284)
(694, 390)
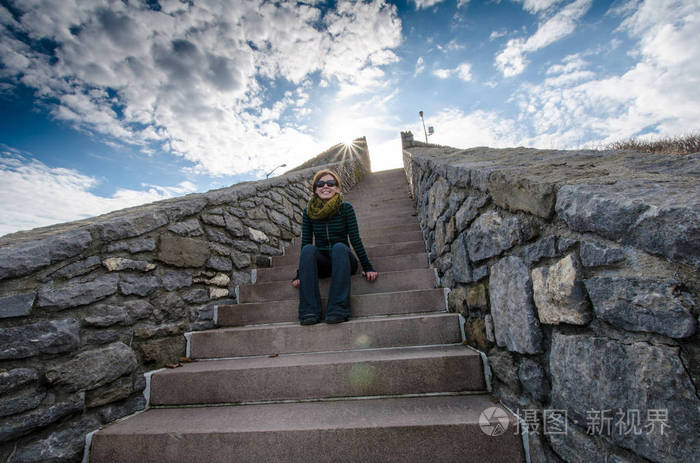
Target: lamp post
(420, 113)
(267, 175)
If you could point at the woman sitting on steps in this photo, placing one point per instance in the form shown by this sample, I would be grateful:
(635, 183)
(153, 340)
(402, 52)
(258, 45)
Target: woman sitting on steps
(329, 221)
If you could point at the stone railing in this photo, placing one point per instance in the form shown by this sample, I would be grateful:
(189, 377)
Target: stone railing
(576, 272)
(87, 307)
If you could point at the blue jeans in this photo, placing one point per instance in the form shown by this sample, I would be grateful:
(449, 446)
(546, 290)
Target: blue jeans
(339, 264)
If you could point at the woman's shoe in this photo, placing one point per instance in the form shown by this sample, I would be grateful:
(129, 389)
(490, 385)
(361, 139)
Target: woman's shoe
(332, 319)
(309, 320)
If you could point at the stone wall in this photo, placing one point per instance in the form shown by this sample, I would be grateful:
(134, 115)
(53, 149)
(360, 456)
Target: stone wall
(87, 307)
(576, 273)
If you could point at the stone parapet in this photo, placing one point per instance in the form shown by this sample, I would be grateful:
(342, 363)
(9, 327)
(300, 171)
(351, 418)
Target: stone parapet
(577, 274)
(87, 307)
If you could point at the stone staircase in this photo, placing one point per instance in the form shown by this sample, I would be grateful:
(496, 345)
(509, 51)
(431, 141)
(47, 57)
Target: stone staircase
(393, 384)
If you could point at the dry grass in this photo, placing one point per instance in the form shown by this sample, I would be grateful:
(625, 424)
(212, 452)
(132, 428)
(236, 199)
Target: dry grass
(686, 144)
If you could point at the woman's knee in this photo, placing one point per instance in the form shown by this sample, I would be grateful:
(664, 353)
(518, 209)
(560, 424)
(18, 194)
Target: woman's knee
(339, 247)
(308, 250)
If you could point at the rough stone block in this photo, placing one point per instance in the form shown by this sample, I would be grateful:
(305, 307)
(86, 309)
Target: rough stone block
(112, 392)
(660, 218)
(280, 219)
(176, 279)
(533, 379)
(595, 254)
(515, 323)
(93, 368)
(593, 373)
(51, 337)
(492, 233)
(437, 199)
(559, 293)
(241, 260)
(178, 208)
(103, 315)
(213, 219)
(545, 247)
(75, 294)
(133, 246)
(17, 377)
(99, 337)
(115, 264)
(196, 295)
(476, 298)
(140, 285)
(215, 293)
(512, 190)
(190, 227)
(147, 331)
(461, 270)
(183, 252)
(475, 332)
(131, 225)
(163, 351)
(20, 401)
(659, 306)
(257, 235)
(114, 411)
(220, 263)
(75, 269)
(19, 305)
(470, 209)
(220, 279)
(53, 409)
(504, 368)
(457, 300)
(23, 258)
(65, 444)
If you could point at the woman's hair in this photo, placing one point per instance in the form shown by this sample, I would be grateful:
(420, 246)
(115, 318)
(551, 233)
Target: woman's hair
(323, 173)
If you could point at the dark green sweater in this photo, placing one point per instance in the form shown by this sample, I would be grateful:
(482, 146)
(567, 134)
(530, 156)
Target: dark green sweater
(337, 229)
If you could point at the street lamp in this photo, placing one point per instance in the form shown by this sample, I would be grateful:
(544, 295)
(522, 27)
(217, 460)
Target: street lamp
(267, 175)
(431, 130)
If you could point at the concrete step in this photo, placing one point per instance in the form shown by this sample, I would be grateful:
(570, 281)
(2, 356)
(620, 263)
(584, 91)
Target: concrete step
(443, 429)
(383, 222)
(387, 281)
(291, 256)
(380, 264)
(394, 371)
(285, 338)
(382, 210)
(363, 305)
(380, 200)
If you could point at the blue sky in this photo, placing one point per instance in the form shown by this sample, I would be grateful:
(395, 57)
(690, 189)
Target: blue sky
(108, 104)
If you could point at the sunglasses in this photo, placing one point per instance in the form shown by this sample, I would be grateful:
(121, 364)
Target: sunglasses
(322, 183)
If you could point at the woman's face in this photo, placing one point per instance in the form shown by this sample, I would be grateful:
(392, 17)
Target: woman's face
(326, 191)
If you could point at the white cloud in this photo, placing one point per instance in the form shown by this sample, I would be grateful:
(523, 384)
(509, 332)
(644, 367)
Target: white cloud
(422, 4)
(34, 194)
(479, 128)
(462, 3)
(420, 66)
(576, 107)
(661, 91)
(462, 71)
(187, 78)
(535, 6)
(511, 61)
(442, 73)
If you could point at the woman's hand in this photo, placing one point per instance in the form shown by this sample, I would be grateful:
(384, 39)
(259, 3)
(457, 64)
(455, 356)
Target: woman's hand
(295, 283)
(371, 276)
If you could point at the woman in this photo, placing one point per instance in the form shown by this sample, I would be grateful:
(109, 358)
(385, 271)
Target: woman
(331, 222)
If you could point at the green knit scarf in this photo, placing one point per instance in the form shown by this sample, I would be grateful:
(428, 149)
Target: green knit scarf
(319, 209)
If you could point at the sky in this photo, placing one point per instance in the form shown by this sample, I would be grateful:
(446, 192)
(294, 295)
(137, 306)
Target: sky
(110, 104)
